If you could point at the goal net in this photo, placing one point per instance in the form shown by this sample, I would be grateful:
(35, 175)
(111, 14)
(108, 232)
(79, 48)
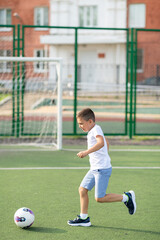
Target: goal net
(31, 101)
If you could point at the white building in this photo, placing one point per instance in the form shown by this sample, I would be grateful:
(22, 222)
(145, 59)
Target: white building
(101, 53)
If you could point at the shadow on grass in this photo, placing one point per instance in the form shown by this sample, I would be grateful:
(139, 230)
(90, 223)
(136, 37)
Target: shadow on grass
(46, 230)
(128, 230)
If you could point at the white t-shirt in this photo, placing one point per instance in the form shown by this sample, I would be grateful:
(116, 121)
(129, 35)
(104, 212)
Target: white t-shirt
(99, 159)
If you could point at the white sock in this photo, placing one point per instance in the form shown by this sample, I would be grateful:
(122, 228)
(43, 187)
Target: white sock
(125, 198)
(83, 215)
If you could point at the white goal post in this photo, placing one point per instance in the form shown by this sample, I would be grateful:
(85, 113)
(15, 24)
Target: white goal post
(44, 72)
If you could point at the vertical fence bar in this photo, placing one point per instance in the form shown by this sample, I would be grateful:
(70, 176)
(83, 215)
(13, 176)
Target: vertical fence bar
(22, 97)
(127, 70)
(135, 81)
(59, 106)
(75, 81)
(23, 84)
(13, 85)
(131, 84)
(18, 80)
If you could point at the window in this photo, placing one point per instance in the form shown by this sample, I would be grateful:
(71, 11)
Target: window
(137, 16)
(41, 16)
(5, 66)
(88, 16)
(140, 60)
(39, 66)
(5, 16)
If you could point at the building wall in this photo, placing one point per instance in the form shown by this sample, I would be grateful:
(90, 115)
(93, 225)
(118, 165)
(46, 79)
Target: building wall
(149, 41)
(101, 49)
(101, 54)
(22, 12)
(152, 12)
(105, 49)
(25, 9)
(110, 13)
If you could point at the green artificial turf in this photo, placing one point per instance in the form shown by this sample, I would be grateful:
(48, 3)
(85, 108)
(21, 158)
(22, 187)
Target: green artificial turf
(53, 196)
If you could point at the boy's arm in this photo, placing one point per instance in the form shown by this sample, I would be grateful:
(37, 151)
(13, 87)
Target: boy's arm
(96, 147)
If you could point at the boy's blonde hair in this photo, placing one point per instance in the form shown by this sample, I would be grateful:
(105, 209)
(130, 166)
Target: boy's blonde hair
(86, 114)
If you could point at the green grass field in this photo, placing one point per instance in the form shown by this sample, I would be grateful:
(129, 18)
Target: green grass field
(53, 196)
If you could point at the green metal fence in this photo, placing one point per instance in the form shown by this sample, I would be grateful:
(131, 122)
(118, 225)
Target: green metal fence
(131, 108)
(147, 83)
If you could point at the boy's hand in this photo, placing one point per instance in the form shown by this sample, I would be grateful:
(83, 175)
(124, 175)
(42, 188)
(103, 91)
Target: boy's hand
(96, 147)
(82, 154)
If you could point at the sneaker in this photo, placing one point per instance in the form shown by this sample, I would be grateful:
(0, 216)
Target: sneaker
(131, 203)
(80, 222)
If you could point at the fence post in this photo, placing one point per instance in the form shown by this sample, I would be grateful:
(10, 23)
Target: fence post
(131, 85)
(135, 79)
(13, 85)
(18, 81)
(75, 81)
(23, 84)
(127, 71)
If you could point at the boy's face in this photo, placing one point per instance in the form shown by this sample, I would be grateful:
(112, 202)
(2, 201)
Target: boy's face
(85, 125)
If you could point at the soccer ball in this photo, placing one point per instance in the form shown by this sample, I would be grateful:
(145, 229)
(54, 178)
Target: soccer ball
(24, 217)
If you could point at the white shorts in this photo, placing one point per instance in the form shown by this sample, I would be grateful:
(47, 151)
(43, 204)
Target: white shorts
(98, 178)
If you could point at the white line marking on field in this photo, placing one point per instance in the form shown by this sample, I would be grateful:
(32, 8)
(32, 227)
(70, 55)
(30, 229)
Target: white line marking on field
(73, 168)
(135, 150)
(76, 150)
(136, 167)
(44, 168)
(27, 150)
(121, 150)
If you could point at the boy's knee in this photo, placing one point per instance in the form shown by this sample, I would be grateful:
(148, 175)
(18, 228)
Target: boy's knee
(99, 200)
(82, 191)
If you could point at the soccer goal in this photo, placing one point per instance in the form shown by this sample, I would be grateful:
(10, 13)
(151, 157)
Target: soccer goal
(31, 100)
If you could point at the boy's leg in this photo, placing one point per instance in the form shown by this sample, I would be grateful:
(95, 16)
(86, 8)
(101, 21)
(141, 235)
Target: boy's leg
(111, 197)
(82, 219)
(128, 198)
(84, 200)
(101, 184)
(86, 185)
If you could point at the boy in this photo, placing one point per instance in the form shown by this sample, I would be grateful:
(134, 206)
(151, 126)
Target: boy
(100, 170)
